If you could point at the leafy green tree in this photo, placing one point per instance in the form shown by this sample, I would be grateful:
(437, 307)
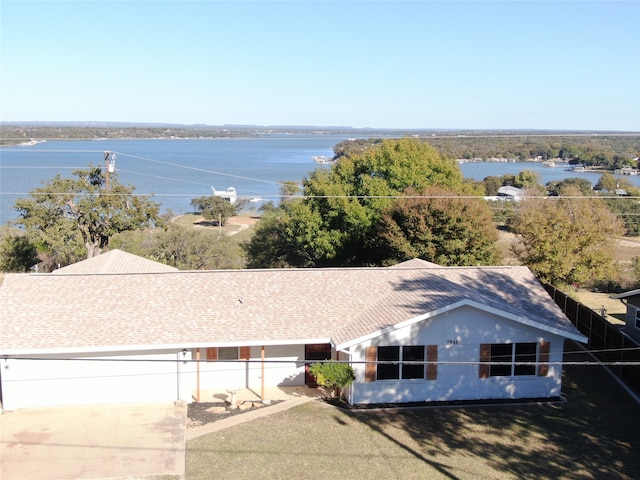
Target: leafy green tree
(491, 185)
(610, 184)
(215, 209)
(269, 246)
(438, 226)
(333, 375)
(508, 179)
(68, 212)
(288, 190)
(290, 236)
(337, 220)
(183, 248)
(187, 249)
(628, 210)
(17, 252)
(527, 179)
(566, 240)
(558, 187)
(348, 148)
(607, 182)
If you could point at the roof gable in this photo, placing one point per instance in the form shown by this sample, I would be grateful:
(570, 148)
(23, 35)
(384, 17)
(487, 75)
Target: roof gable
(416, 263)
(115, 261)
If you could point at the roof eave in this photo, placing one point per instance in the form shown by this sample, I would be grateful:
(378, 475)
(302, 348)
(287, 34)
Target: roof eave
(154, 348)
(630, 293)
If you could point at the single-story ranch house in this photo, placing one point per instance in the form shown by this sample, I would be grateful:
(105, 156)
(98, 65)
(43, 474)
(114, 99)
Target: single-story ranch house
(120, 329)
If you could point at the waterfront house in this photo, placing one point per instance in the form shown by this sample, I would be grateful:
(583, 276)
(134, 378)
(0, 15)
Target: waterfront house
(415, 332)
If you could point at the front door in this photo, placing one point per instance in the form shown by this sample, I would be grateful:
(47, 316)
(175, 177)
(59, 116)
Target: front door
(314, 352)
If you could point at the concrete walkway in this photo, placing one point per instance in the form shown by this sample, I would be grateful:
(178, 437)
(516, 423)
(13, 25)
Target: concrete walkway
(97, 442)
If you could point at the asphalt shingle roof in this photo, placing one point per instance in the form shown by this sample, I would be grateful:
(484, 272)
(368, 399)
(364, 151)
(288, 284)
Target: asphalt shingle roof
(48, 312)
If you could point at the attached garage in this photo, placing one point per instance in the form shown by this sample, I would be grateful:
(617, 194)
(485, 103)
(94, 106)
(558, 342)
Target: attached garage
(76, 379)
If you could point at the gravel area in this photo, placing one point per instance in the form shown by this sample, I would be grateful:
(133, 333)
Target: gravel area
(209, 412)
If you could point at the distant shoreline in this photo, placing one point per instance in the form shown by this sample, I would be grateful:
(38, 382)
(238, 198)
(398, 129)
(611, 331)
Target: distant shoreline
(19, 133)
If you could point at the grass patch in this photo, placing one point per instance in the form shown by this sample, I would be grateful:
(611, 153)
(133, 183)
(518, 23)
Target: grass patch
(240, 228)
(593, 435)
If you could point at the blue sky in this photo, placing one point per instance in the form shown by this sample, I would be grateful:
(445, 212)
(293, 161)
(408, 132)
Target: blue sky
(421, 64)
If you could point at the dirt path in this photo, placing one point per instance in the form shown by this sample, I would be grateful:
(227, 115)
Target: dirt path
(242, 222)
(233, 226)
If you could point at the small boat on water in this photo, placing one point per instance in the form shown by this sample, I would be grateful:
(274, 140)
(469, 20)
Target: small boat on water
(229, 194)
(322, 160)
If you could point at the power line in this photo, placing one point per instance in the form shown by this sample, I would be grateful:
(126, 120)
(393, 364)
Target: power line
(7, 358)
(214, 172)
(172, 164)
(161, 162)
(357, 197)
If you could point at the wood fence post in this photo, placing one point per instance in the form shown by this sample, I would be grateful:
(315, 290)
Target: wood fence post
(622, 354)
(606, 332)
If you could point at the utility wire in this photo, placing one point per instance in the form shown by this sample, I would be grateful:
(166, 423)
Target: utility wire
(8, 358)
(572, 352)
(214, 172)
(172, 164)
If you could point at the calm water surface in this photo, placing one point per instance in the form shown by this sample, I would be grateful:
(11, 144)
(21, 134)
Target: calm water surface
(176, 171)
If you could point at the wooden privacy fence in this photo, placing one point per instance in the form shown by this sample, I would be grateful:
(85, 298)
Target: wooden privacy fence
(606, 342)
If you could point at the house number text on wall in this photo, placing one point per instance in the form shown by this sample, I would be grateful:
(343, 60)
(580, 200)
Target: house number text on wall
(452, 342)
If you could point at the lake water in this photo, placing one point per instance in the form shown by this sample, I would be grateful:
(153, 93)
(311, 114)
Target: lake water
(177, 170)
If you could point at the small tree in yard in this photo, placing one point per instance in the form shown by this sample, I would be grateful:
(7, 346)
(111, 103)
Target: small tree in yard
(333, 375)
(566, 240)
(215, 208)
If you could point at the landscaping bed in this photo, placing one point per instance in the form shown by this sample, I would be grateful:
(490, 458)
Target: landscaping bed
(208, 412)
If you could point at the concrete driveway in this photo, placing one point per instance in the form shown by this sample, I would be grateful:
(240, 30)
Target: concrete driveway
(112, 441)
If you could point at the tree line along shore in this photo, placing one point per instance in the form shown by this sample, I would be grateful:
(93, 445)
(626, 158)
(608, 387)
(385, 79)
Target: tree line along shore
(606, 150)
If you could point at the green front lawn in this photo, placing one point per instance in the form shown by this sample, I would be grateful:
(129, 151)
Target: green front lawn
(594, 435)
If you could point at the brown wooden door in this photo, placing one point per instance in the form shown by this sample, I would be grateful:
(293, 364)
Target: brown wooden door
(314, 352)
